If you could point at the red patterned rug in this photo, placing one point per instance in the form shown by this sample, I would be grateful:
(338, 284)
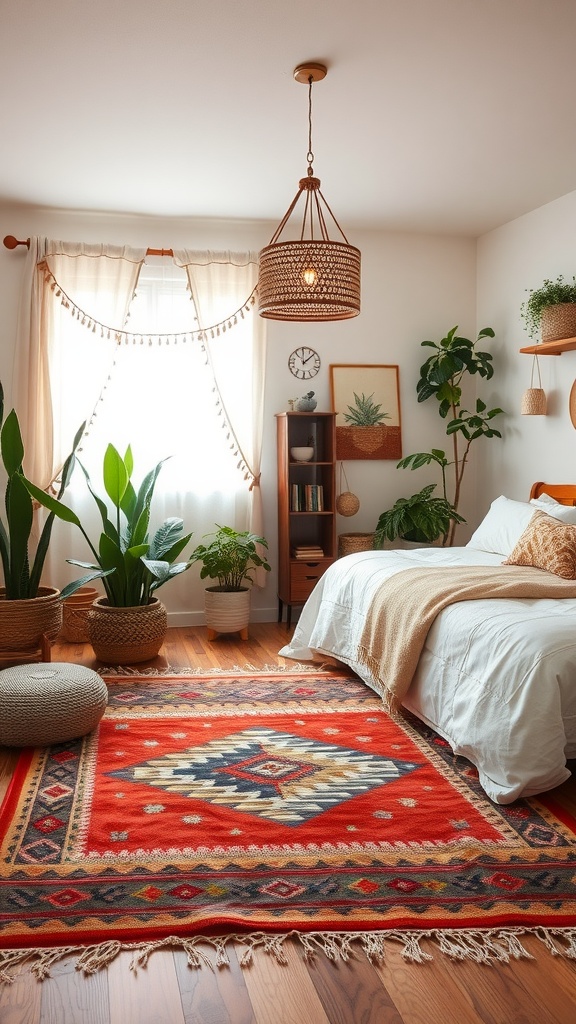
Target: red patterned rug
(250, 807)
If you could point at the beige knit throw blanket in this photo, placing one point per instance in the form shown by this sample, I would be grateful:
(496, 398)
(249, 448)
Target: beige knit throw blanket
(406, 604)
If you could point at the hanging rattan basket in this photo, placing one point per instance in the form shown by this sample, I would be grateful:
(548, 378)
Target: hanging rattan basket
(350, 543)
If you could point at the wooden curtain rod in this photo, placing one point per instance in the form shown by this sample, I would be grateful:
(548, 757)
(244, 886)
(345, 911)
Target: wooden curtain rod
(10, 242)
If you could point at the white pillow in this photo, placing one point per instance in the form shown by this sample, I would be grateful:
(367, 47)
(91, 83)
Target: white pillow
(566, 513)
(502, 526)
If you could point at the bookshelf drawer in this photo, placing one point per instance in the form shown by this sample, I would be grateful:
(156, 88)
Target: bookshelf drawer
(304, 577)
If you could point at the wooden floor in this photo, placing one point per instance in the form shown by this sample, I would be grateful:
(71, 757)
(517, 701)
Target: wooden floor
(167, 991)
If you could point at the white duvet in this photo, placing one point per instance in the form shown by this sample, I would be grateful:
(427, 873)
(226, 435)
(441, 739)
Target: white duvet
(496, 678)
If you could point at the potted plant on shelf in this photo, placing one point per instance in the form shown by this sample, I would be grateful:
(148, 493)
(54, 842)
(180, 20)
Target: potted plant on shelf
(550, 311)
(129, 624)
(420, 519)
(230, 556)
(441, 377)
(30, 613)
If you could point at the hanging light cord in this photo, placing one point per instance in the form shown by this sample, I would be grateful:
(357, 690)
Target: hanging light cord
(310, 154)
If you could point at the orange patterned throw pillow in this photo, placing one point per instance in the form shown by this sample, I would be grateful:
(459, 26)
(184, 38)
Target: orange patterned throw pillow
(547, 544)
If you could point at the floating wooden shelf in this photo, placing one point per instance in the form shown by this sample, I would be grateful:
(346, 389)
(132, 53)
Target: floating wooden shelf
(551, 348)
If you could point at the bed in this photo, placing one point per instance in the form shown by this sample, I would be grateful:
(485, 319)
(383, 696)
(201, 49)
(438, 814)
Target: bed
(495, 677)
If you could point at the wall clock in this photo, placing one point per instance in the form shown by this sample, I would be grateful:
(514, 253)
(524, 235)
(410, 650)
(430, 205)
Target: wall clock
(304, 362)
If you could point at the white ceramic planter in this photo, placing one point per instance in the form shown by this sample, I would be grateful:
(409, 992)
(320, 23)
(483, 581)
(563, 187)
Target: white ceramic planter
(227, 611)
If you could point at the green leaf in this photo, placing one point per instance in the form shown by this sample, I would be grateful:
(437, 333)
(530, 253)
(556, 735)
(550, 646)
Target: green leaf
(11, 444)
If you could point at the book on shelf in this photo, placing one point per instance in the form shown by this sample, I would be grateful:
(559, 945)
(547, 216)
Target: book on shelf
(306, 498)
(307, 552)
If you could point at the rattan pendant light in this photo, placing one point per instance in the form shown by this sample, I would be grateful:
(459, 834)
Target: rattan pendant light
(311, 277)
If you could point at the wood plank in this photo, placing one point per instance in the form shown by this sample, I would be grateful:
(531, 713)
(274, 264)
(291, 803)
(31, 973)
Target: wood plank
(68, 996)
(149, 995)
(283, 994)
(20, 1001)
(214, 997)
(352, 992)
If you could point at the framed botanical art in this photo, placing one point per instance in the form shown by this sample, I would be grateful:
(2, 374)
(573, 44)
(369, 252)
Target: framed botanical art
(366, 400)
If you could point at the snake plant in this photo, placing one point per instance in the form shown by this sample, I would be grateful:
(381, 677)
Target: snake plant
(22, 568)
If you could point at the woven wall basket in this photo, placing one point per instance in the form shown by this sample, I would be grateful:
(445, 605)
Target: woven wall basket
(123, 636)
(558, 321)
(350, 543)
(23, 623)
(347, 504)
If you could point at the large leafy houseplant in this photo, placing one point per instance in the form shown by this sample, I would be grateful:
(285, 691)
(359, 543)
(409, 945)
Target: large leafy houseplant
(421, 518)
(21, 565)
(230, 556)
(131, 564)
(441, 378)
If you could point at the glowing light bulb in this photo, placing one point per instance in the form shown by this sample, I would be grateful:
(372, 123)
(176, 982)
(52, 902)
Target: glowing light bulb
(309, 276)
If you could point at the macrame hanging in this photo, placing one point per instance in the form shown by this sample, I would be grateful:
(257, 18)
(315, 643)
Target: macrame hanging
(347, 504)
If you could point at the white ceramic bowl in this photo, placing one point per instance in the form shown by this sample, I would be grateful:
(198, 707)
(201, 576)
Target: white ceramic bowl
(302, 454)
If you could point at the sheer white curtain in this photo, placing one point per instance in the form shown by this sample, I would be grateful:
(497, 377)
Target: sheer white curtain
(152, 387)
(220, 283)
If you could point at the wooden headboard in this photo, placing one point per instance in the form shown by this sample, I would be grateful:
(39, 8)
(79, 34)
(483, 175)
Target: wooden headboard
(563, 493)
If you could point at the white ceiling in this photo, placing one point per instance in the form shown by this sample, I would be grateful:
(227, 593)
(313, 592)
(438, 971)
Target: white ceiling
(436, 115)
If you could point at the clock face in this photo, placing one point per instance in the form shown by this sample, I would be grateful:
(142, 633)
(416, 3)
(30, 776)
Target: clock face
(304, 362)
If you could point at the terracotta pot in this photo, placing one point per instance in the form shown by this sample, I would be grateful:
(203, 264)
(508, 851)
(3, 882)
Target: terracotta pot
(29, 623)
(125, 636)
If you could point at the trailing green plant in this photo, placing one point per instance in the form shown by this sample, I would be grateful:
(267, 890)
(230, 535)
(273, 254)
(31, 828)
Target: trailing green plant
(441, 378)
(22, 568)
(551, 293)
(365, 412)
(131, 564)
(420, 518)
(230, 557)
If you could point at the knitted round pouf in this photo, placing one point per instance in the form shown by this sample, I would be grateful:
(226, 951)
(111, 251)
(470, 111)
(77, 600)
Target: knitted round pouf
(50, 702)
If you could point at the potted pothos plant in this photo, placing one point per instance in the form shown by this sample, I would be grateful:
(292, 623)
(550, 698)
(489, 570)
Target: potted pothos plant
(549, 312)
(229, 556)
(128, 624)
(30, 612)
(441, 378)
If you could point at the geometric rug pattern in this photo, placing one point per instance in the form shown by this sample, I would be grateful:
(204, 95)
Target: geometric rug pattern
(269, 803)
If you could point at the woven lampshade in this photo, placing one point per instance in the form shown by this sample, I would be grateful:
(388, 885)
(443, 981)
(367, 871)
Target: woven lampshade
(311, 277)
(334, 293)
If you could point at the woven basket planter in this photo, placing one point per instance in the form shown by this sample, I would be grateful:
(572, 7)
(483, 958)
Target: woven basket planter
(123, 636)
(24, 623)
(350, 543)
(75, 615)
(558, 321)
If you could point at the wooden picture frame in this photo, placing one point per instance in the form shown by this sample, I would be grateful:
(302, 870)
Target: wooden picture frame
(369, 393)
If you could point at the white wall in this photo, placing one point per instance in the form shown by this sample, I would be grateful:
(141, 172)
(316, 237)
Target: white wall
(413, 287)
(511, 260)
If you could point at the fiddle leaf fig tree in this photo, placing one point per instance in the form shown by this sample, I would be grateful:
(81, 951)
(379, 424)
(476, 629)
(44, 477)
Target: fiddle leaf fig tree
(441, 378)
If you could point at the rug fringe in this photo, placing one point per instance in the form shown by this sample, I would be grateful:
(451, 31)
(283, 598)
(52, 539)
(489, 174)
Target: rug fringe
(246, 669)
(481, 946)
